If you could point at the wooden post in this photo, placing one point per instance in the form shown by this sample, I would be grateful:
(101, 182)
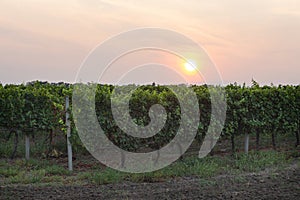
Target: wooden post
(69, 146)
(27, 147)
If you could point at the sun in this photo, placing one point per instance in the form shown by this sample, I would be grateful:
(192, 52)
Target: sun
(190, 67)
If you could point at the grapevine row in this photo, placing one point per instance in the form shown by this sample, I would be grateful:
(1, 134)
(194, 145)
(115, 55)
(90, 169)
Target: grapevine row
(39, 106)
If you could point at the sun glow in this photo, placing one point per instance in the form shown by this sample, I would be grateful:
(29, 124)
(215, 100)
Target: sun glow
(190, 67)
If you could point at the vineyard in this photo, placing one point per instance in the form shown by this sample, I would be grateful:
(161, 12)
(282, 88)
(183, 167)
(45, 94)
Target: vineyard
(38, 108)
(256, 156)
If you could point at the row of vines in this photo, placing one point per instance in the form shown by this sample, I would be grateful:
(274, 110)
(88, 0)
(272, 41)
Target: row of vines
(40, 106)
(27, 110)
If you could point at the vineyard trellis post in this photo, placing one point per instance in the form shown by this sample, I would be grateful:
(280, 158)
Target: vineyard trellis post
(69, 146)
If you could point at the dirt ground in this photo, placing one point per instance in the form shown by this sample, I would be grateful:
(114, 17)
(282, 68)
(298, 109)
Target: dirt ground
(269, 184)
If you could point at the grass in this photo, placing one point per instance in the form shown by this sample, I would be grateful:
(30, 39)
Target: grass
(56, 170)
(43, 172)
(24, 177)
(8, 172)
(256, 161)
(203, 168)
(107, 176)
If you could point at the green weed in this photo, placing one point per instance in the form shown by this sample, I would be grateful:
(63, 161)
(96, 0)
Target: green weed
(24, 177)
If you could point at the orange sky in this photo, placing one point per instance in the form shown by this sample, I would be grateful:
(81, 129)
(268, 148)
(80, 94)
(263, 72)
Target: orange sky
(48, 40)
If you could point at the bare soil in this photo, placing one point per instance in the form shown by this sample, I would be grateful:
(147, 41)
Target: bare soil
(268, 184)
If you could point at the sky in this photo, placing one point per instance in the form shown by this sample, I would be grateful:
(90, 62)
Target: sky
(251, 39)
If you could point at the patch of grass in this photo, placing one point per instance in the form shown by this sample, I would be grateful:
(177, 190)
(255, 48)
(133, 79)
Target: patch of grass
(189, 166)
(7, 172)
(56, 170)
(39, 171)
(24, 177)
(205, 167)
(256, 161)
(31, 164)
(85, 175)
(20, 162)
(107, 176)
(36, 164)
(102, 177)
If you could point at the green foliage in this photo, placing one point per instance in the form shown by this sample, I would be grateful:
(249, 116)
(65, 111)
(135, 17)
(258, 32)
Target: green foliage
(31, 107)
(266, 109)
(39, 106)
